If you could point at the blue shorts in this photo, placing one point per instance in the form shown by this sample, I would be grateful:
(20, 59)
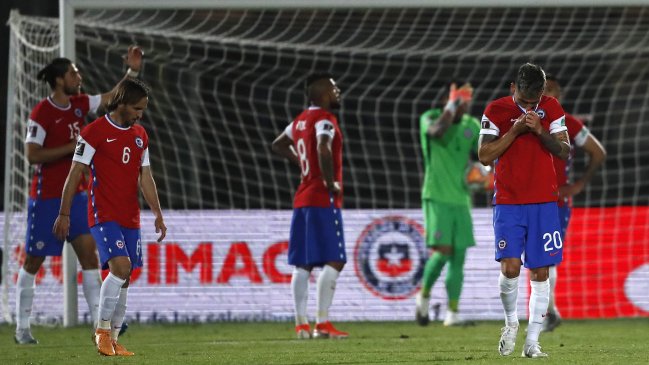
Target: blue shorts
(529, 231)
(564, 219)
(41, 214)
(114, 240)
(317, 237)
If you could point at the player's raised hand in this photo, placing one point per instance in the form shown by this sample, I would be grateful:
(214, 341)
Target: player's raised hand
(160, 228)
(133, 58)
(533, 122)
(61, 227)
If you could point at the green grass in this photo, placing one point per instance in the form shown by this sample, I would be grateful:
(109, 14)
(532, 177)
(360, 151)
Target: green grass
(575, 342)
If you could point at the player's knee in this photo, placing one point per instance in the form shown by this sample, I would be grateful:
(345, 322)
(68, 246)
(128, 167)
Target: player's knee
(33, 263)
(510, 268)
(337, 265)
(89, 261)
(539, 274)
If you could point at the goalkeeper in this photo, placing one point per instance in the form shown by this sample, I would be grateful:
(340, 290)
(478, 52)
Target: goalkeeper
(448, 137)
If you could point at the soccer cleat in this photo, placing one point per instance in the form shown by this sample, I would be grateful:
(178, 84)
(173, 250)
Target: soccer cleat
(24, 337)
(303, 331)
(421, 309)
(121, 350)
(104, 342)
(327, 330)
(453, 319)
(507, 340)
(123, 329)
(551, 322)
(533, 351)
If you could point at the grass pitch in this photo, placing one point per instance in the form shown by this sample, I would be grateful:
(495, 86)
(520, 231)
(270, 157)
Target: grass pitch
(574, 342)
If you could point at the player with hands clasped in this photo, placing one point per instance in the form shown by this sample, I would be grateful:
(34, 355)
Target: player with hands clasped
(313, 141)
(53, 127)
(116, 151)
(448, 137)
(522, 134)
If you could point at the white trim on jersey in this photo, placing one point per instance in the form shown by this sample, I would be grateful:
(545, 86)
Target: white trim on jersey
(84, 152)
(289, 131)
(112, 122)
(94, 101)
(325, 127)
(582, 137)
(558, 125)
(35, 133)
(488, 127)
(57, 106)
(313, 107)
(145, 157)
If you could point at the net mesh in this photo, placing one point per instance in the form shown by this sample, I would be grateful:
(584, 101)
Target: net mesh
(225, 83)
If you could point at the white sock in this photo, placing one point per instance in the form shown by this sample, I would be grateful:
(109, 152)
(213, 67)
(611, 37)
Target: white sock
(326, 289)
(509, 298)
(538, 309)
(118, 315)
(91, 288)
(109, 294)
(300, 288)
(553, 284)
(24, 298)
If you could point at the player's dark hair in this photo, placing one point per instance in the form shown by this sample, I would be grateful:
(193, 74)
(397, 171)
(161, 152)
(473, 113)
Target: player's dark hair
(57, 68)
(530, 79)
(129, 91)
(311, 81)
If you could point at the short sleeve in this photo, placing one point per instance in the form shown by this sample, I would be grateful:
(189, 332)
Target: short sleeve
(93, 103)
(145, 158)
(84, 152)
(488, 123)
(325, 127)
(581, 137)
(35, 133)
(557, 117)
(289, 131)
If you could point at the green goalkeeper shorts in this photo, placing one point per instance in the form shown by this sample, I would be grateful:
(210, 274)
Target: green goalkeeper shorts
(448, 225)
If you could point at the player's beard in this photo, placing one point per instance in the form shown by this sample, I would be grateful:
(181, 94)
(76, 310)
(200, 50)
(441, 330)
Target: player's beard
(72, 91)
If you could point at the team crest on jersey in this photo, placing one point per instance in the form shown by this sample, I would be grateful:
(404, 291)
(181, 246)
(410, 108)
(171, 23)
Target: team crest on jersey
(502, 244)
(40, 245)
(541, 113)
(139, 142)
(119, 244)
(78, 112)
(390, 256)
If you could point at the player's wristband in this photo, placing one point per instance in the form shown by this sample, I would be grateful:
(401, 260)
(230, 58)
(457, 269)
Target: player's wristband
(132, 73)
(451, 106)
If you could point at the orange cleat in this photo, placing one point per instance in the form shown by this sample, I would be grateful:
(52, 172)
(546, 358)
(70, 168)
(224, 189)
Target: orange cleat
(121, 350)
(104, 343)
(303, 331)
(327, 330)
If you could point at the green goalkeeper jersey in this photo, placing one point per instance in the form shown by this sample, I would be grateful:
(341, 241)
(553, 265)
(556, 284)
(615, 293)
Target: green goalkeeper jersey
(446, 158)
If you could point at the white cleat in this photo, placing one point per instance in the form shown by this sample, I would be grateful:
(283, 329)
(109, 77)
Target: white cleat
(533, 351)
(552, 321)
(421, 309)
(507, 340)
(24, 337)
(453, 319)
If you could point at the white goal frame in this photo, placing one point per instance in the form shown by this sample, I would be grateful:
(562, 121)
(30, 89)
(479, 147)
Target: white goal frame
(67, 9)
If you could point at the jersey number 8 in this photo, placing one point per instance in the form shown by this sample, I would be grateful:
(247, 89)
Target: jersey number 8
(301, 152)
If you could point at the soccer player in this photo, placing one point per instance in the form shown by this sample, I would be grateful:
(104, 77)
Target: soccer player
(116, 150)
(448, 137)
(581, 137)
(53, 127)
(521, 133)
(313, 141)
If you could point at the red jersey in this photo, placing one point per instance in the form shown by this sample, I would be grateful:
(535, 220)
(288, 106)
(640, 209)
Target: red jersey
(115, 155)
(578, 134)
(525, 172)
(304, 132)
(52, 126)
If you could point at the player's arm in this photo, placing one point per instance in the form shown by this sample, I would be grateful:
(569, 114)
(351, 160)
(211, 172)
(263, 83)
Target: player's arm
(491, 147)
(556, 140)
(326, 163)
(597, 155)
(437, 128)
(37, 154)
(133, 60)
(150, 193)
(457, 97)
(283, 146)
(62, 223)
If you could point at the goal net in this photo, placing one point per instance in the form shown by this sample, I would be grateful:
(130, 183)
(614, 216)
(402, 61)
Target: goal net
(225, 83)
